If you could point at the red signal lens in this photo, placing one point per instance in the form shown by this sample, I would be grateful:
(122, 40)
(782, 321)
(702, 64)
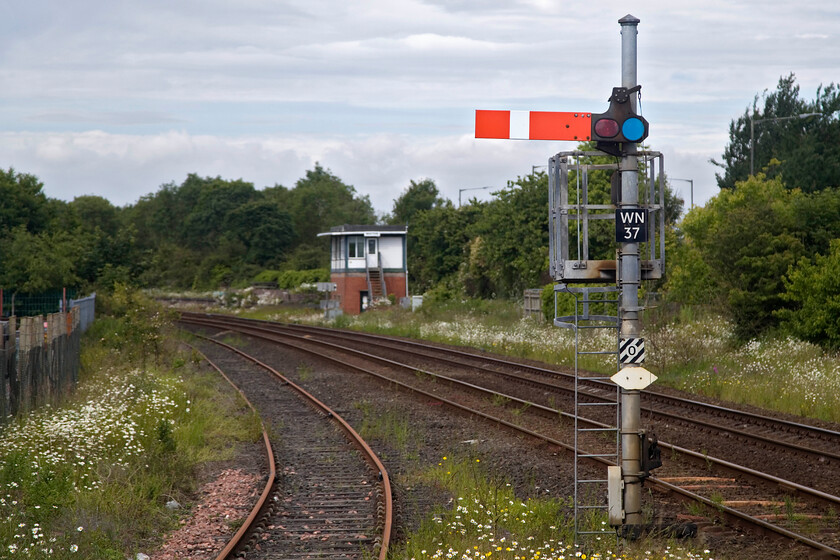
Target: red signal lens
(606, 128)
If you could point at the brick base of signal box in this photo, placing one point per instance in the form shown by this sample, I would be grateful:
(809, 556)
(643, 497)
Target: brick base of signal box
(349, 288)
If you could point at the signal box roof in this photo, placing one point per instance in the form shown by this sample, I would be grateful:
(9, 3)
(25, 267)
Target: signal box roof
(363, 229)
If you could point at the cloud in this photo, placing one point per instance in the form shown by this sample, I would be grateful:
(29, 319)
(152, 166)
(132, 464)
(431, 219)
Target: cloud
(116, 98)
(122, 168)
(119, 118)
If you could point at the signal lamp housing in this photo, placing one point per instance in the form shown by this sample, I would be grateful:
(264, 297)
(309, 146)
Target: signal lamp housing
(619, 125)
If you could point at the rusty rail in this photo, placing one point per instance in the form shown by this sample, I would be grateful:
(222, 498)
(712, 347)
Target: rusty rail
(369, 455)
(272, 469)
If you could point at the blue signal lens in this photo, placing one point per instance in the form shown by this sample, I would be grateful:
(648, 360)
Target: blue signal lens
(633, 129)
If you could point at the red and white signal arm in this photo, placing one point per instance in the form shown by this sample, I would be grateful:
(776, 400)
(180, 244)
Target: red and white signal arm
(533, 125)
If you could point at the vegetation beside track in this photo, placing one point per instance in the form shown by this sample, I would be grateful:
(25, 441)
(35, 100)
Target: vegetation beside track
(486, 521)
(91, 478)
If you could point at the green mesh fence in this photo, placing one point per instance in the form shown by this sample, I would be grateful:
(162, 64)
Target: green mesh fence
(23, 305)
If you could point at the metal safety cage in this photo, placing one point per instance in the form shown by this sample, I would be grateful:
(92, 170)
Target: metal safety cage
(573, 217)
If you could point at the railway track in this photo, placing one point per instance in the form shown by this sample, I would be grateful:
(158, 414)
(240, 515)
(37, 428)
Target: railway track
(332, 496)
(744, 495)
(818, 444)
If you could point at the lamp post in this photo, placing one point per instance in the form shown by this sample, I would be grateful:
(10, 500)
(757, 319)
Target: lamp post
(752, 132)
(469, 189)
(691, 182)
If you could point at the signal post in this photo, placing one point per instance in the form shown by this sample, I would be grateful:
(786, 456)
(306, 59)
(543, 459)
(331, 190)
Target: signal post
(629, 282)
(616, 133)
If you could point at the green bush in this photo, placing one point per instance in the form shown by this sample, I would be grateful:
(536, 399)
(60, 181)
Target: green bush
(292, 279)
(267, 276)
(814, 289)
(547, 302)
(748, 237)
(566, 303)
(441, 293)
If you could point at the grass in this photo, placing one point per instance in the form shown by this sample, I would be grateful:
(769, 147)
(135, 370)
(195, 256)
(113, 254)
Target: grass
(778, 373)
(487, 521)
(304, 372)
(389, 426)
(90, 478)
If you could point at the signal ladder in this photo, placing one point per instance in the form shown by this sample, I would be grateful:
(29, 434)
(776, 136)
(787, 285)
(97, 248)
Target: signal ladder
(590, 494)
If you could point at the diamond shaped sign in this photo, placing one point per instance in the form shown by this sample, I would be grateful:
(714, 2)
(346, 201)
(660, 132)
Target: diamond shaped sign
(633, 378)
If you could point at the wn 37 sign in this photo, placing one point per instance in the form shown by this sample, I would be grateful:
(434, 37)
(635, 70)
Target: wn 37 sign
(631, 225)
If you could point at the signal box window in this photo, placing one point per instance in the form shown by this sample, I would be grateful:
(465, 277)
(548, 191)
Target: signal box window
(355, 247)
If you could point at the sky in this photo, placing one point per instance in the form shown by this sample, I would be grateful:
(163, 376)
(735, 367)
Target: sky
(116, 98)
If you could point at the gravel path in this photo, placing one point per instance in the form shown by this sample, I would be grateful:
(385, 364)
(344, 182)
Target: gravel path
(222, 503)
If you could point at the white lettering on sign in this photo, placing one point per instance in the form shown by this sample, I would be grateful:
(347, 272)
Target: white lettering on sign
(631, 225)
(633, 217)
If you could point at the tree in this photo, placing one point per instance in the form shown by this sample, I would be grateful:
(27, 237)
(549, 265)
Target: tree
(264, 229)
(22, 203)
(99, 251)
(34, 263)
(418, 197)
(510, 247)
(158, 217)
(96, 211)
(806, 150)
(816, 217)
(748, 238)
(813, 288)
(814, 161)
(205, 222)
(438, 244)
(321, 200)
(690, 279)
